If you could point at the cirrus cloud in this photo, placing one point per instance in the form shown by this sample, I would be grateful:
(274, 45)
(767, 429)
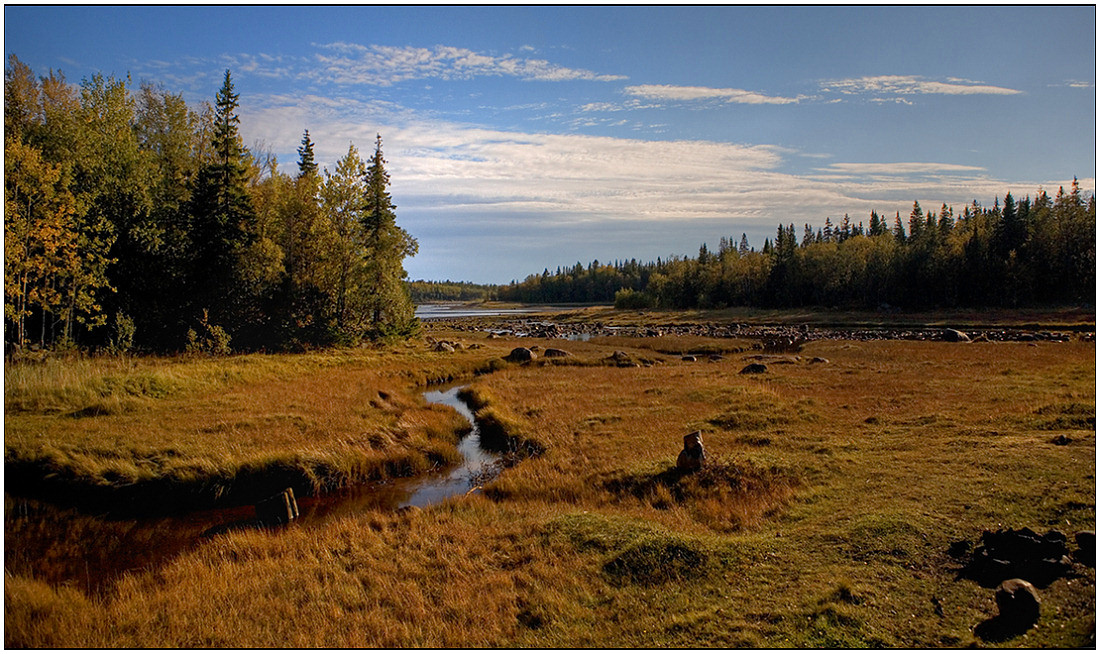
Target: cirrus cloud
(690, 93)
(381, 65)
(912, 85)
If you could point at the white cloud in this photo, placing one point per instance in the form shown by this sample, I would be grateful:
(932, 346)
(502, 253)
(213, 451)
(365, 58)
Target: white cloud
(385, 65)
(913, 85)
(900, 168)
(690, 93)
(458, 187)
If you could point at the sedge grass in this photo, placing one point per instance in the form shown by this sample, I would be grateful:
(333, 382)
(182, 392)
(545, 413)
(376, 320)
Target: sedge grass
(850, 494)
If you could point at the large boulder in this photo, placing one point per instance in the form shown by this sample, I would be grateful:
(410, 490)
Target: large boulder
(1018, 603)
(754, 369)
(521, 355)
(693, 455)
(1086, 547)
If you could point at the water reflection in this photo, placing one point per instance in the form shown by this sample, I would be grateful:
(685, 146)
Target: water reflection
(65, 546)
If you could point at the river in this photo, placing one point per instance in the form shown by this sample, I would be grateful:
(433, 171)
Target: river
(63, 545)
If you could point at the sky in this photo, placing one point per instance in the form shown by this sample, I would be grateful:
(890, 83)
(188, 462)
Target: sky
(520, 139)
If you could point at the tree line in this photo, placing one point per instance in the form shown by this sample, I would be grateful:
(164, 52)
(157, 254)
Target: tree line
(135, 221)
(1030, 252)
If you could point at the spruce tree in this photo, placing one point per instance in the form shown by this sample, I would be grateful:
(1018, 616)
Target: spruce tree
(222, 219)
(390, 309)
(307, 165)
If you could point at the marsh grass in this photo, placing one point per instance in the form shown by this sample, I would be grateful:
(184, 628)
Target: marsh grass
(842, 544)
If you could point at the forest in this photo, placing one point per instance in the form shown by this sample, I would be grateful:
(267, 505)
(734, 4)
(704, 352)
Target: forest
(133, 222)
(1031, 252)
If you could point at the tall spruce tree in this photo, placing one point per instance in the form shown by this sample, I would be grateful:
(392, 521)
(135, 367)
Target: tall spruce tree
(389, 307)
(223, 218)
(307, 165)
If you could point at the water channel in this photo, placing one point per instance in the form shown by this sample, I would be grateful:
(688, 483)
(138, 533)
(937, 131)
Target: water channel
(66, 546)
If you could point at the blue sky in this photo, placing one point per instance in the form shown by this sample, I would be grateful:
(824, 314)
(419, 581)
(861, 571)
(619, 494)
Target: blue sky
(527, 138)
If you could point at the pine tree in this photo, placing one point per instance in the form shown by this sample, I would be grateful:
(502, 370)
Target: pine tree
(306, 163)
(386, 246)
(222, 219)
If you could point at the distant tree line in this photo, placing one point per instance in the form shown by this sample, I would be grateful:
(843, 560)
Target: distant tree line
(132, 220)
(425, 291)
(1035, 251)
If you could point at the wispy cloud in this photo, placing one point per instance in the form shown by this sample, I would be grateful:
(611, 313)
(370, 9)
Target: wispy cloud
(901, 168)
(667, 92)
(895, 85)
(351, 63)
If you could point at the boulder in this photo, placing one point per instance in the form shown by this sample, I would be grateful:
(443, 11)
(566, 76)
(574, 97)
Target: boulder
(754, 369)
(688, 358)
(1018, 603)
(819, 360)
(1019, 553)
(521, 355)
(443, 346)
(1061, 439)
(955, 336)
(555, 352)
(693, 455)
(1086, 547)
(715, 358)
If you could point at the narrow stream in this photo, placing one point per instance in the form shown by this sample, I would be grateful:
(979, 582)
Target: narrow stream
(64, 546)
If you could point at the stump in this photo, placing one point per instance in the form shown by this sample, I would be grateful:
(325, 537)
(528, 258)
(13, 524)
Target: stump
(693, 455)
(278, 509)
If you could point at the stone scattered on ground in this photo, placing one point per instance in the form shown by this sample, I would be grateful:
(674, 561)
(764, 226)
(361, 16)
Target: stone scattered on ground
(819, 360)
(689, 358)
(754, 369)
(1019, 553)
(555, 352)
(1061, 439)
(693, 455)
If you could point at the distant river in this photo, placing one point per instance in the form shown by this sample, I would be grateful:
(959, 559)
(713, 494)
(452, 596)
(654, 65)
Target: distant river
(436, 311)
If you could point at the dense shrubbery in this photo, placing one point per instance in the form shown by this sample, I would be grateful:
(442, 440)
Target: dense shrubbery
(1030, 252)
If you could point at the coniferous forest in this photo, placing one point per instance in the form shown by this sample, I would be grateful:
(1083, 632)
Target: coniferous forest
(1031, 252)
(133, 221)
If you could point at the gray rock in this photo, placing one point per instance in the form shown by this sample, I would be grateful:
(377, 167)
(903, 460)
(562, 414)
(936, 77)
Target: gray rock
(693, 455)
(1086, 547)
(521, 355)
(1018, 602)
(955, 336)
(555, 352)
(688, 358)
(819, 360)
(754, 369)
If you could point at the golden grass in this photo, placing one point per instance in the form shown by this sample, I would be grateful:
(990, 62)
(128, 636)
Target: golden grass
(823, 520)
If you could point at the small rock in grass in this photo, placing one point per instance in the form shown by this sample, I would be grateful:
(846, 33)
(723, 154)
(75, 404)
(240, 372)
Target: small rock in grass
(555, 352)
(693, 455)
(754, 369)
(955, 336)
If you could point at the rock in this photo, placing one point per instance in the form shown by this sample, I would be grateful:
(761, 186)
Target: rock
(619, 355)
(693, 455)
(534, 348)
(1061, 439)
(443, 346)
(754, 369)
(278, 509)
(555, 352)
(715, 358)
(1018, 602)
(1086, 547)
(955, 336)
(688, 358)
(1019, 553)
(521, 355)
(819, 360)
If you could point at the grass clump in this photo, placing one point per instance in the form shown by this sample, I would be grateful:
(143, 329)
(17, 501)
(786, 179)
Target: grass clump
(1065, 415)
(501, 430)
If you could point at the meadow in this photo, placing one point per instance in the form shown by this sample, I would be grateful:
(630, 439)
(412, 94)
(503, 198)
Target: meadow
(836, 483)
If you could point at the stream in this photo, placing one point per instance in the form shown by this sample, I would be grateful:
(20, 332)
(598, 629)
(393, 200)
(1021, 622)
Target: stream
(65, 546)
